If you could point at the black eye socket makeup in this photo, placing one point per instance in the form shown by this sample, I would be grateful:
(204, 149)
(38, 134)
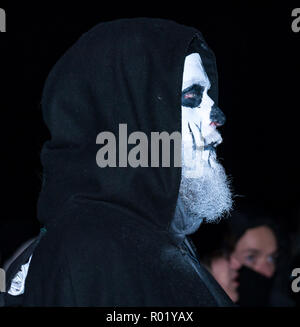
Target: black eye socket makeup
(192, 96)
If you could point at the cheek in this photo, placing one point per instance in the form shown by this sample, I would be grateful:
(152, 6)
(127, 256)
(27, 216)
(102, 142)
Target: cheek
(205, 108)
(195, 115)
(271, 268)
(236, 255)
(220, 270)
(206, 117)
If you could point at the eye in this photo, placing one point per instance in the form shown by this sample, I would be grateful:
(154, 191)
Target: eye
(192, 96)
(250, 259)
(272, 258)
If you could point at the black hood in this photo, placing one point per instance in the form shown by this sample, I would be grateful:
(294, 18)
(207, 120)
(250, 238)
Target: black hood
(109, 241)
(127, 71)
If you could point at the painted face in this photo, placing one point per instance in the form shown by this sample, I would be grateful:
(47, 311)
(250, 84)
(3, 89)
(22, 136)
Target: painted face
(200, 117)
(204, 191)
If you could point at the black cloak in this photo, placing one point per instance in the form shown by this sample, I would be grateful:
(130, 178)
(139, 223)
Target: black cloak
(108, 239)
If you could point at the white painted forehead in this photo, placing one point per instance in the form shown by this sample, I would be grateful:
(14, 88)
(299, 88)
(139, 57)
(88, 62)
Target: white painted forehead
(194, 72)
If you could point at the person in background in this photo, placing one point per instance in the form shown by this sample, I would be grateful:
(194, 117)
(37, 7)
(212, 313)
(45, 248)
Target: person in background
(214, 246)
(295, 261)
(248, 255)
(261, 247)
(225, 270)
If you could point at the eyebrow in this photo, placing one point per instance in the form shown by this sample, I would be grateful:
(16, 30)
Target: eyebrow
(204, 83)
(191, 87)
(274, 253)
(251, 250)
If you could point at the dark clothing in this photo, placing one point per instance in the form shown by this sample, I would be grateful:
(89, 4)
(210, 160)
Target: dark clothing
(108, 240)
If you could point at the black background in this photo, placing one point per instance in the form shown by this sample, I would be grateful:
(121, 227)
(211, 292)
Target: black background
(258, 58)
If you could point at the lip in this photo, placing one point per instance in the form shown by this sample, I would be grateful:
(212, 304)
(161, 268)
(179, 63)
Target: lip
(215, 124)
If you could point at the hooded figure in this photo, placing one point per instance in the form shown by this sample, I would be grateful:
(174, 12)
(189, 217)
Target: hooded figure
(117, 235)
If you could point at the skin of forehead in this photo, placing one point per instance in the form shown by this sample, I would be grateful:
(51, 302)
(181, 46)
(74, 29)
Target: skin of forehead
(194, 72)
(260, 238)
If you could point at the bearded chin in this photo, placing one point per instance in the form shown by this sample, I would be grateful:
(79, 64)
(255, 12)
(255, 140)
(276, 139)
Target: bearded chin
(207, 196)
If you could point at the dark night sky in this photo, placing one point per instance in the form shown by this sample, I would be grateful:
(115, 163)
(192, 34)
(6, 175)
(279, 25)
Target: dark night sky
(258, 62)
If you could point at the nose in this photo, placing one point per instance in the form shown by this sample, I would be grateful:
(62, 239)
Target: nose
(217, 116)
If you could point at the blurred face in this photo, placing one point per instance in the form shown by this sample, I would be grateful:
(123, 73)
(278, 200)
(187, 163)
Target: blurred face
(225, 271)
(257, 249)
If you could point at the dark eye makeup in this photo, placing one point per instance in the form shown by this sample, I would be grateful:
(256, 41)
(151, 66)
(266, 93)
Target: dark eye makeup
(192, 96)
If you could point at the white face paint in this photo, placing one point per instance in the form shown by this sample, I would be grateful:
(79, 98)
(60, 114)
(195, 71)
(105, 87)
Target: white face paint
(199, 134)
(204, 190)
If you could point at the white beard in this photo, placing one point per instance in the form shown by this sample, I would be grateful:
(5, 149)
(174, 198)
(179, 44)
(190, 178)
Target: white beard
(206, 197)
(204, 190)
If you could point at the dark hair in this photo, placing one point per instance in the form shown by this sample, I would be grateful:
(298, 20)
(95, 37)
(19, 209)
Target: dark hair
(241, 221)
(213, 241)
(217, 240)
